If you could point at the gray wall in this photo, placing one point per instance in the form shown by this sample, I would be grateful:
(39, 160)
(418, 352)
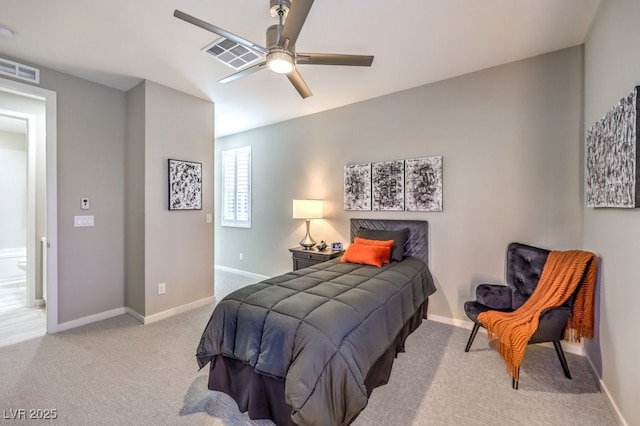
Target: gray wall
(612, 69)
(91, 144)
(93, 161)
(178, 244)
(510, 141)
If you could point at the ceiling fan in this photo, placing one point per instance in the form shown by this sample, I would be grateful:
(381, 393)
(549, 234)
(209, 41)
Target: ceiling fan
(281, 55)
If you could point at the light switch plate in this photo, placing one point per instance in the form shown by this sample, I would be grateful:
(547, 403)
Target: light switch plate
(209, 217)
(81, 221)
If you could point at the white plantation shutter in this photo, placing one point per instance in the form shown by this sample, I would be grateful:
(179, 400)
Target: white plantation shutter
(236, 187)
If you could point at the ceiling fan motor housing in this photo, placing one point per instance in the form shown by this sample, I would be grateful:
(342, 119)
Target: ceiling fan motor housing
(274, 33)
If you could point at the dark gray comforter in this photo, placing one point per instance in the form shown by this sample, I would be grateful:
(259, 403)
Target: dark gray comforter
(321, 329)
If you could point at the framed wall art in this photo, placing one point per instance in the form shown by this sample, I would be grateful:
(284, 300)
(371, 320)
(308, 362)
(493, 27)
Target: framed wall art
(185, 185)
(613, 157)
(423, 184)
(357, 187)
(387, 189)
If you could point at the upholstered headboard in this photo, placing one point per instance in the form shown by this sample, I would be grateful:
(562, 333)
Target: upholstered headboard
(417, 244)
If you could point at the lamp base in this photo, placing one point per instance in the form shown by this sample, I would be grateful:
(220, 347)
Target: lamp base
(307, 242)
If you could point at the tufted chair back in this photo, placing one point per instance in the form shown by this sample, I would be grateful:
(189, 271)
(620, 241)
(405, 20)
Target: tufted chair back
(524, 266)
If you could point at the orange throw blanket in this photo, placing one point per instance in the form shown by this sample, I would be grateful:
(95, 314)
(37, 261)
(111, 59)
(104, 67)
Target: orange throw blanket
(509, 332)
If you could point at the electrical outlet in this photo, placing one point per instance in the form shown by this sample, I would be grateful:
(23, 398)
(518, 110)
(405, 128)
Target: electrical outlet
(241, 256)
(84, 203)
(162, 288)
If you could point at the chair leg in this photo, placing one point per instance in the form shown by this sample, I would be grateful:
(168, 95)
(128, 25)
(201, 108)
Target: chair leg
(563, 360)
(514, 382)
(476, 327)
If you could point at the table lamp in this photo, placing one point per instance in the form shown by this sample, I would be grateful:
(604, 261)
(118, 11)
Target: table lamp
(307, 210)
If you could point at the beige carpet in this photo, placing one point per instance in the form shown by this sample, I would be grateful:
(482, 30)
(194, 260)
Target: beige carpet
(120, 372)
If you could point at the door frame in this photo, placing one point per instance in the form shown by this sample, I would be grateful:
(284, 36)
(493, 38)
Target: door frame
(51, 256)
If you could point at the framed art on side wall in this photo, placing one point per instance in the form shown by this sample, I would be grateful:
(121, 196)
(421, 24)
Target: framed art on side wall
(613, 157)
(185, 185)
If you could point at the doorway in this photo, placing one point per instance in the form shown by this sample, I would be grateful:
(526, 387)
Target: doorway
(36, 109)
(22, 307)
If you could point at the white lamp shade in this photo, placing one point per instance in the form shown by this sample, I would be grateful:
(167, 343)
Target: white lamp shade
(307, 209)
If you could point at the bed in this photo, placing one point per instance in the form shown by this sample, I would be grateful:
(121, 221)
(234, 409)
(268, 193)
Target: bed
(308, 347)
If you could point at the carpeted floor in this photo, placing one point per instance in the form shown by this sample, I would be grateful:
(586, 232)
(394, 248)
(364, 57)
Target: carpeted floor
(119, 372)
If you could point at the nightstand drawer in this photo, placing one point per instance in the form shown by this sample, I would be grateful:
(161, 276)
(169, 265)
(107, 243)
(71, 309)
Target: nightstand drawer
(304, 258)
(311, 255)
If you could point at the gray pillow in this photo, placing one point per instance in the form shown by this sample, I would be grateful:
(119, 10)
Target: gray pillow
(399, 237)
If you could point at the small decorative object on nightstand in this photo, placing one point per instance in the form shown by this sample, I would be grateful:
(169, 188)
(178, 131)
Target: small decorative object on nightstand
(303, 258)
(321, 246)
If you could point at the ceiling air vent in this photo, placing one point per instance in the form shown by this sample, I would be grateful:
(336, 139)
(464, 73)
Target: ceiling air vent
(23, 72)
(231, 53)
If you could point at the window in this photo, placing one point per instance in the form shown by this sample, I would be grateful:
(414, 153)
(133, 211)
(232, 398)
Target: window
(236, 187)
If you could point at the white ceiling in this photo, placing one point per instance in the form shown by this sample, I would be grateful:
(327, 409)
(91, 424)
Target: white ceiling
(415, 42)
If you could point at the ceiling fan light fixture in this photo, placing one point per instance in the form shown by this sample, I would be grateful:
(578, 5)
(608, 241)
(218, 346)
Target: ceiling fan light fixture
(280, 61)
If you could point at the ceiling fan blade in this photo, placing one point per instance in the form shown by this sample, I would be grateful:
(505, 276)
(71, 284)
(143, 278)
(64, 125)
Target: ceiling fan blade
(293, 25)
(217, 30)
(333, 59)
(296, 79)
(245, 72)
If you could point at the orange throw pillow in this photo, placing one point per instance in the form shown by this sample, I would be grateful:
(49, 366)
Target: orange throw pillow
(380, 243)
(366, 254)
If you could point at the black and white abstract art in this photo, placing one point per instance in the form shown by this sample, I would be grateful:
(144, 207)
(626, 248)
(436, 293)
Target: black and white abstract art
(423, 184)
(185, 185)
(357, 187)
(612, 156)
(387, 185)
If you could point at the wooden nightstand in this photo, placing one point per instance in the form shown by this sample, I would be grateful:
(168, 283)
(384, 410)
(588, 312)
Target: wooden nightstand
(303, 258)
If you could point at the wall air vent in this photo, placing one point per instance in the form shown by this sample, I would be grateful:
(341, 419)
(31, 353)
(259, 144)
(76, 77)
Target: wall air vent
(16, 70)
(233, 54)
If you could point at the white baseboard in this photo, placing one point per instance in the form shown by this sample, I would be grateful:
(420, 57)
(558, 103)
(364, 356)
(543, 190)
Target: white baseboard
(170, 312)
(241, 272)
(570, 347)
(450, 321)
(128, 311)
(91, 318)
(608, 398)
(135, 314)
